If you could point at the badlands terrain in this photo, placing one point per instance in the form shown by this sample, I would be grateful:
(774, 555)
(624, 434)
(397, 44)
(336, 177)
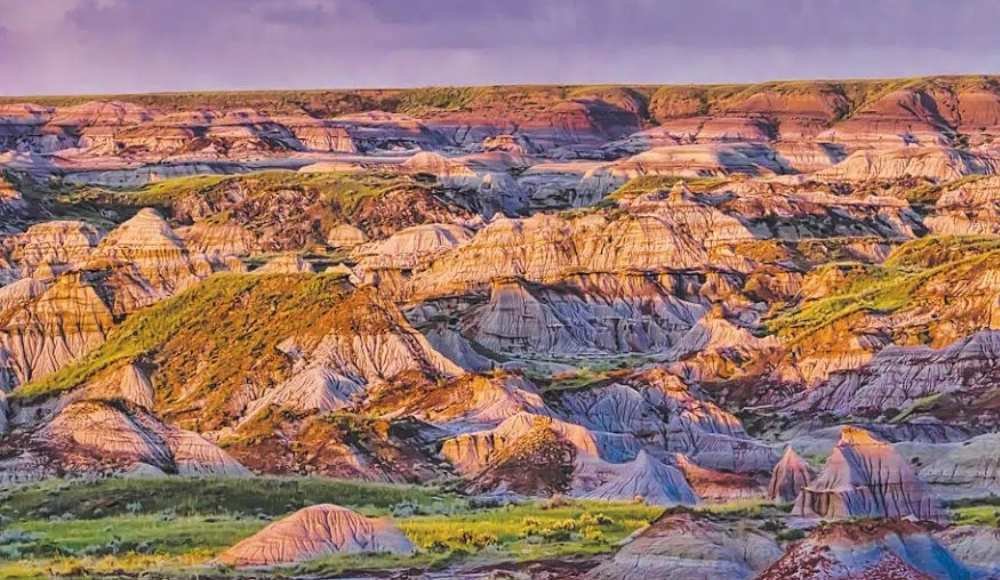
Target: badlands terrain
(728, 331)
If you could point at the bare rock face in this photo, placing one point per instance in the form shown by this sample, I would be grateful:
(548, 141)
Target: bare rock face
(647, 478)
(218, 240)
(546, 248)
(970, 209)
(790, 475)
(685, 545)
(899, 117)
(130, 383)
(580, 316)
(971, 466)
(55, 246)
(412, 247)
(866, 477)
(661, 412)
(314, 532)
(43, 332)
(898, 549)
(111, 436)
(898, 376)
(975, 546)
(939, 163)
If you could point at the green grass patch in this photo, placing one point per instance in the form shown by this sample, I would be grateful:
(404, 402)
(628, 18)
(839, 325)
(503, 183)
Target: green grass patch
(532, 531)
(268, 496)
(984, 511)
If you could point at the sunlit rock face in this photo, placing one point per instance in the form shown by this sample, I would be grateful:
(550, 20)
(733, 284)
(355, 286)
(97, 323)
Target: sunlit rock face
(107, 436)
(970, 209)
(866, 477)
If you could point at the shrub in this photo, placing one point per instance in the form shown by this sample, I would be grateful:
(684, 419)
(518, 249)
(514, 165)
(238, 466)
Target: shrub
(791, 535)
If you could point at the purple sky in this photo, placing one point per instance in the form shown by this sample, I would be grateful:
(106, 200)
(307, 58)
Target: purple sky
(94, 46)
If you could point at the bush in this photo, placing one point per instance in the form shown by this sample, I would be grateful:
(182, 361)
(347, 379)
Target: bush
(791, 535)
(478, 541)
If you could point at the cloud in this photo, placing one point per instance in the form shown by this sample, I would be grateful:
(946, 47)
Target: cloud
(144, 45)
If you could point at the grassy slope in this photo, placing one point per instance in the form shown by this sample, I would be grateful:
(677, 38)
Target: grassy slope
(239, 315)
(887, 288)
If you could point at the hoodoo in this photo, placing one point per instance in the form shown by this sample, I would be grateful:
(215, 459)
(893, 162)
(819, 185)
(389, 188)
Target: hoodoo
(789, 476)
(866, 477)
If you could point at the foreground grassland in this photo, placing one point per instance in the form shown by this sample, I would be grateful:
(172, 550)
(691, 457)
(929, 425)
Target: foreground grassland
(176, 526)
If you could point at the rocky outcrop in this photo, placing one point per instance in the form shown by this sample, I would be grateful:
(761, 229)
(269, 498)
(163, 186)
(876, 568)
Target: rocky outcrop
(648, 479)
(898, 377)
(97, 437)
(972, 208)
(53, 247)
(868, 549)
(687, 545)
(866, 477)
(314, 532)
(660, 411)
(938, 163)
(583, 315)
(412, 247)
(43, 330)
(790, 475)
(976, 546)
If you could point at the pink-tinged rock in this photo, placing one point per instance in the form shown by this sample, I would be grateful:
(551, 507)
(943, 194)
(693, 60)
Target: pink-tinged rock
(314, 532)
(790, 475)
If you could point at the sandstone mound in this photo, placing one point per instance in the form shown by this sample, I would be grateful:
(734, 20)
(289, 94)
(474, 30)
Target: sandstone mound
(646, 478)
(970, 209)
(865, 476)
(59, 245)
(345, 236)
(685, 545)
(412, 247)
(790, 475)
(41, 333)
(893, 549)
(314, 532)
